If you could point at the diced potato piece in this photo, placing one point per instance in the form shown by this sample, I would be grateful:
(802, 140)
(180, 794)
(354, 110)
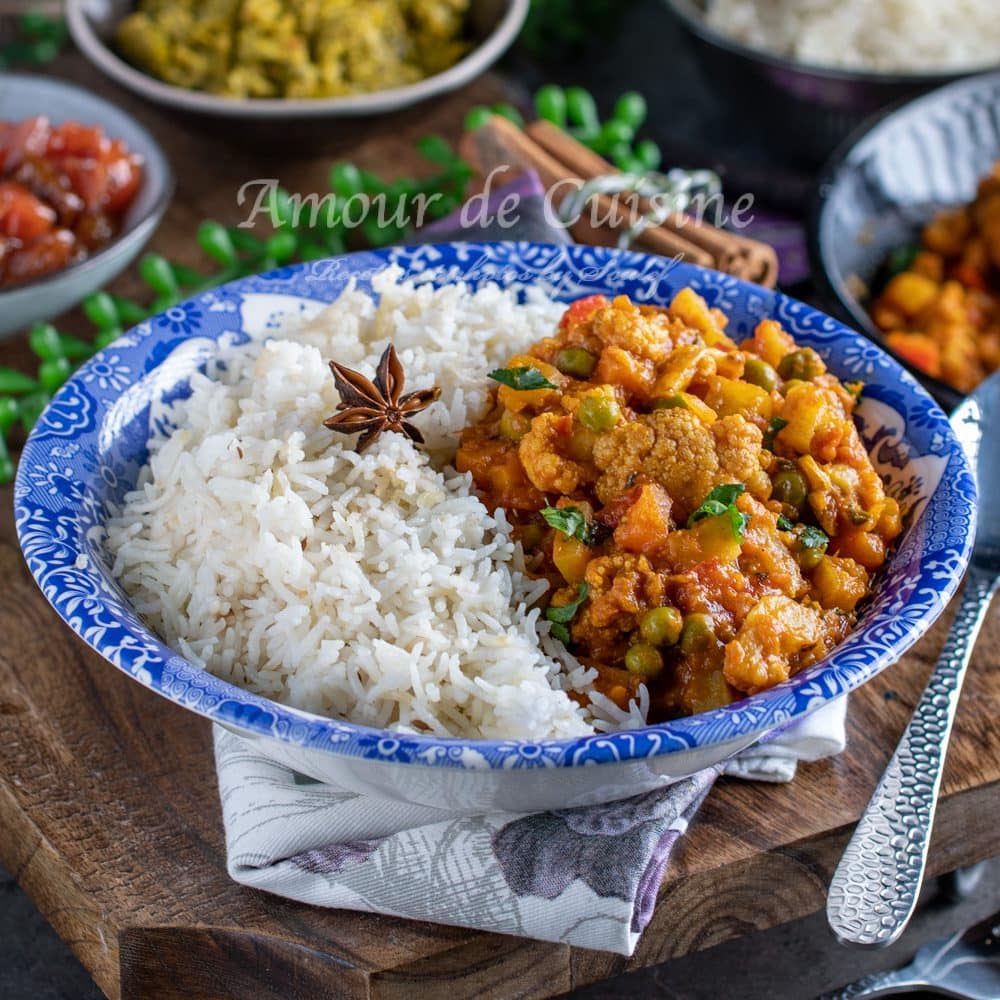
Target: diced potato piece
(839, 583)
(910, 292)
(683, 364)
(570, 557)
(771, 343)
(517, 400)
(645, 525)
(865, 547)
(807, 410)
(727, 397)
(618, 367)
(717, 539)
(691, 309)
(698, 407)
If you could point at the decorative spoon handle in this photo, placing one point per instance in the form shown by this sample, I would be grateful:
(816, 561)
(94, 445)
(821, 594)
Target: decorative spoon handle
(875, 887)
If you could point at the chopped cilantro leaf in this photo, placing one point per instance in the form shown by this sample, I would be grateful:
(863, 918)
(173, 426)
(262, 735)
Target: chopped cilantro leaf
(570, 521)
(521, 379)
(785, 523)
(813, 538)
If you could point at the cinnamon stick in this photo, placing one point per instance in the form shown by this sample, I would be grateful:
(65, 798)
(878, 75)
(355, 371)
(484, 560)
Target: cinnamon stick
(733, 253)
(500, 143)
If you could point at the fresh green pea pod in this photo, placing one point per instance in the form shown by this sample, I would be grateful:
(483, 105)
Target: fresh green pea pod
(345, 179)
(280, 208)
(10, 412)
(13, 381)
(621, 156)
(477, 118)
(158, 273)
(581, 108)
(52, 373)
(44, 341)
(550, 103)
(187, 277)
(214, 239)
(588, 136)
(101, 310)
(631, 109)
(371, 183)
(282, 246)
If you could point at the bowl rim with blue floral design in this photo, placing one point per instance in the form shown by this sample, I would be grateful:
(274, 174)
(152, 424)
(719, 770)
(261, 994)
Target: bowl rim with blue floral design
(88, 444)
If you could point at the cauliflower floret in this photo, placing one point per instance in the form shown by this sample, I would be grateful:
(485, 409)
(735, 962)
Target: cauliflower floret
(776, 631)
(646, 333)
(677, 450)
(542, 454)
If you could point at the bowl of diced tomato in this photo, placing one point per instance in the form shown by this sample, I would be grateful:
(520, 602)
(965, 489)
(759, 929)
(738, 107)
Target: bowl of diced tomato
(83, 186)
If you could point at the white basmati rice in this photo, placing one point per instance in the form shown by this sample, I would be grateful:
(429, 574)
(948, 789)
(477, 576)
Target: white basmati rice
(373, 587)
(917, 36)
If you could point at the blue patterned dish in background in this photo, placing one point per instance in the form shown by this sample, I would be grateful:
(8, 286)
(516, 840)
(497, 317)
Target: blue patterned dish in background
(89, 445)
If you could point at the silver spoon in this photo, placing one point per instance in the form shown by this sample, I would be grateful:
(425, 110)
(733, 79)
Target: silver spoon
(874, 890)
(965, 965)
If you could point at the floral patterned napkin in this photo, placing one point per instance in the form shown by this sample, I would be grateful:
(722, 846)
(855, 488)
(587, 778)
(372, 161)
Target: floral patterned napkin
(586, 877)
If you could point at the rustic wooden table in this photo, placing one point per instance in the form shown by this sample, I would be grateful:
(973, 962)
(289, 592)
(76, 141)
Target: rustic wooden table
(109, 815)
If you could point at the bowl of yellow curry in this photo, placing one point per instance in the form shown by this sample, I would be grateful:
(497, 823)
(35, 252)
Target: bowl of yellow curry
(293, 59)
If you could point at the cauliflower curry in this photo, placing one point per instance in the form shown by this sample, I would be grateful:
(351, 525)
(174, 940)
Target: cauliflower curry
(706, 512)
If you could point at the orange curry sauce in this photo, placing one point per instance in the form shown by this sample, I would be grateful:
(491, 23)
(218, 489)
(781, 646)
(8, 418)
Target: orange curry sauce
(706, 512)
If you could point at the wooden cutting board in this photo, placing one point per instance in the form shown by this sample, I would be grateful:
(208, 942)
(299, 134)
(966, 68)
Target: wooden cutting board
(109, 816)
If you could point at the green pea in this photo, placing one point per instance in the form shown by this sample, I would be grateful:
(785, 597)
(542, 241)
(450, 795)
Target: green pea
(598, 413)
(214, 239)
(282, 246)
(45, 342)
(804, 364)
(676, 402)
(789, 488)
(513, 426)
(101, 310)
(6, 465)
(809, 559)
(477, 118)
(158, 274)
(576, 361)
(105, 337)
(550, 103)
(644, 660)
(13, 381)
(614, 134)
(10, 411)
(31, 407)
(581, 109)
(760, 373)
(649, 155)
(631, 109)
(345, 179)
(696, 633)
(661, 626)
(621, 156)
(52, 373)
(129, 312)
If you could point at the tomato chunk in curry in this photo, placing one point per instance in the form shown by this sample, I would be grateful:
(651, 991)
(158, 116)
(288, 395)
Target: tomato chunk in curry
(705, 512)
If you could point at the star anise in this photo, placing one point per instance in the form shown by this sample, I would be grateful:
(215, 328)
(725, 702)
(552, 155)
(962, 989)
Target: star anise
(368, 408)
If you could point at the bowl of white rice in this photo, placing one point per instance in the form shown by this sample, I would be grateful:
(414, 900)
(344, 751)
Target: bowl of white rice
(363, 617)
(805, 73)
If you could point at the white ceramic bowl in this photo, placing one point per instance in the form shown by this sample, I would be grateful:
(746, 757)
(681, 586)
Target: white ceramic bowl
(23, 96)
(92, 23)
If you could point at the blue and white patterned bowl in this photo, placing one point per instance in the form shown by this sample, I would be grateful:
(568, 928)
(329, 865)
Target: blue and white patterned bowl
(89, 445)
